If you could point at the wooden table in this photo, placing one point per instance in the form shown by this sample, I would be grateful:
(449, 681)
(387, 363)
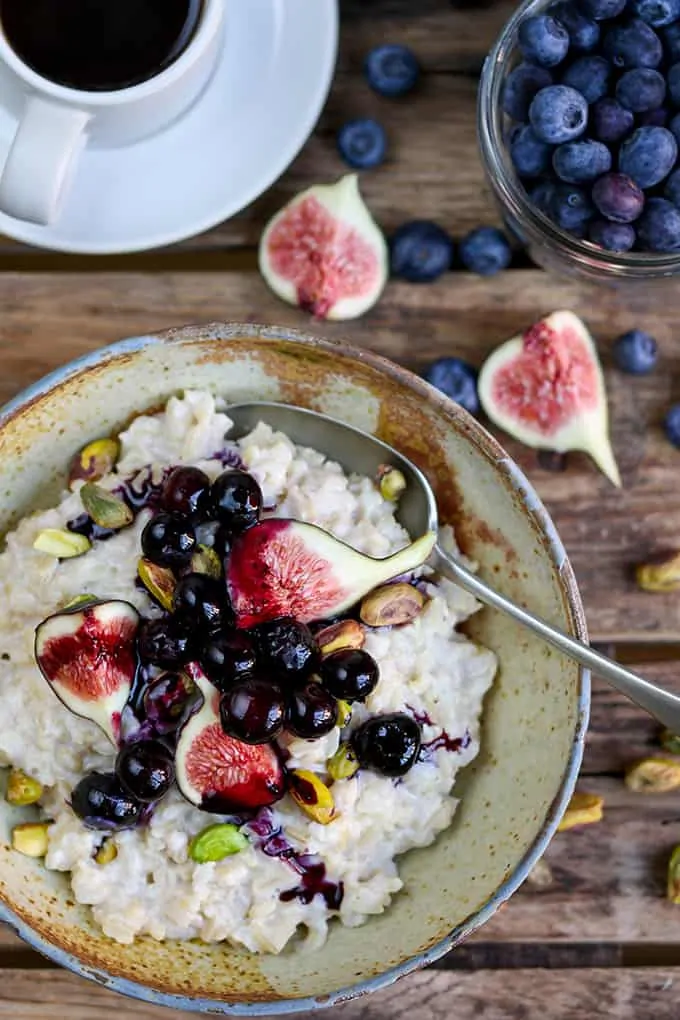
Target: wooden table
(600, 940)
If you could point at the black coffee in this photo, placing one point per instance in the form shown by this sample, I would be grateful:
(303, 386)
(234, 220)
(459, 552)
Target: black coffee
(99, 45)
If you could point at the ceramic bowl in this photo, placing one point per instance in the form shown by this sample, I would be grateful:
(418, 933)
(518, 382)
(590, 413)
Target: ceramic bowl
(534, 718)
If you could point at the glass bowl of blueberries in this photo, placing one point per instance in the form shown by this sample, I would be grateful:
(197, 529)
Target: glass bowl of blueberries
(579, 125)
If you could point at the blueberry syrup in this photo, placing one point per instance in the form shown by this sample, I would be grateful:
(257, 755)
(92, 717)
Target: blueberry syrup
(443, 741)
(139, 492)
(84, 525)
(312, 871)
(229, 456)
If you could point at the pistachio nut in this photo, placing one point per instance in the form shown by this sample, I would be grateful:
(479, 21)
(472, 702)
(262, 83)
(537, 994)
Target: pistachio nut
(540, 876)
(62, 544)
(107, 852)
(22, 790)
(391, 482)
(78, 601)
(30, 838)
(673, 888)
(344, 713)
(345, 634)
(159, 582)
(343, 764)
(312, 796)
(663, 576)
(94, 461)
(206, 561)
(583, 809)
(391, 605)
(654, 775)
(105, 509)
(217, 842)
(670, 742)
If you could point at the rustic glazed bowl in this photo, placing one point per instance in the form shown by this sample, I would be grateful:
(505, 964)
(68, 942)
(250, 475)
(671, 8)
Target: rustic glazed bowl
(534, 718)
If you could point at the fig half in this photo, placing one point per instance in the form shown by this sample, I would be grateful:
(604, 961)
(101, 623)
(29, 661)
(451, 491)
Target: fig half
(284, 567)
(546, 389)
(324, 252)
(218, 773)
(88, 658)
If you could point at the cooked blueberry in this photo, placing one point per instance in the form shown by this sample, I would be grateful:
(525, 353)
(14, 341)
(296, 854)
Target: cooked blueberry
(392, 70)
(672, 188)
(165, 642)
(648, 155)
(101, 802)
(618, 198)
(166, 701)
(636, 352)
(485, 251)
(168, 540)
(235, 499)
(388, 744)
(287, 648)
(253, 710)
(362, 143)
(672, 425)
(612, 236)
(558, 114)
(657, 13)
(312, 712)
(543, 40)
(214, 535)
(633, 44)
(641, 89)
(228, 657)
(609, 121)
(146, 769)
(530, 155)
(571, 208)
(350, 674)
(658, 228)
(521, 85)
(590, 76)
(184, 489)
(457, 379)
(671, 41)
(420, 251)
(201, 601)
(584, 33)
(600, 10)
(543, 196)
(654, 118)
(582, 161)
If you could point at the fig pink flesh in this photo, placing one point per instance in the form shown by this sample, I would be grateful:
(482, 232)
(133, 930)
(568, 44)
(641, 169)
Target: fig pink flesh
(551, 381)
(325, 259)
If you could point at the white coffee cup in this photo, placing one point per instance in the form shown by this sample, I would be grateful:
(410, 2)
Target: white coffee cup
(56, 122)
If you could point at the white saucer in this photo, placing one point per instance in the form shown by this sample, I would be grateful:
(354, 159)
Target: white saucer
(261, 106)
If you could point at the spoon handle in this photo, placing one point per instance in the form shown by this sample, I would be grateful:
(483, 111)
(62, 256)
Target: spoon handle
(661, 704)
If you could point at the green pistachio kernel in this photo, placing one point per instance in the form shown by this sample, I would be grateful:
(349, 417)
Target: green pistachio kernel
(105, 509)
(217, 842)
(78, 601)
(206, 561)
(343, 764)
(65, 545)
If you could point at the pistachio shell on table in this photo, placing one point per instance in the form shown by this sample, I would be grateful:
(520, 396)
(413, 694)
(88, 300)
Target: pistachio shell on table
(654, 775)
(583, 809)
(660, 577)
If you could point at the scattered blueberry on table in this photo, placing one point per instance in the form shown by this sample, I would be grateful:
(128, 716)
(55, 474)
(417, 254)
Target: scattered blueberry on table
(672, 425)
(420, 251)
(457, 379)
(636, 352)
(485, 251)
(362, 143)
(392, 70)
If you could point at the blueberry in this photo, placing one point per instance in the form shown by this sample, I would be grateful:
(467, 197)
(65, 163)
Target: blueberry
(146, 769)
(392, 70)
(362, 143)
(168, 540)
(558, 114)
(657, 13)
(350, 674)
(420, 251)
(571, 208)
(228, 657)
(101, 802)
(590, 76)
(201, 602)
(485, 251)
(253, 710)
(659, 226)
(543, 40)
(184, 490)
(612, 236)
(618, 198)
(673, 79)
(672, 425)
(671, 41)
(521, 85)
(287, 649)
(641, 89)
(530, 155)
(654, 118)
(634, 44)
(674, 128)
(312, 711)
(600, 10)
(584, 34)
(672, 188)
(578, 162)
(388, 744)
(543, 196)
(235, 499)
(457, 379)
(610, 122)
(635, 352)
(648, 155)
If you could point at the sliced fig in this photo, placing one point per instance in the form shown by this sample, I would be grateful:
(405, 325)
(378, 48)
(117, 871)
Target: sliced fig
(218, 773)
(88, 658)
(284, 567)
(546, 389)
(324, 252)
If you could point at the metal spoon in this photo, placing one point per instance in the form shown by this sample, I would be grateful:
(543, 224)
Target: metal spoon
(357, 451)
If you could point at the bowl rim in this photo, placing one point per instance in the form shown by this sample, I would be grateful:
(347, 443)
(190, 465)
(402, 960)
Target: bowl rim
(515, 479)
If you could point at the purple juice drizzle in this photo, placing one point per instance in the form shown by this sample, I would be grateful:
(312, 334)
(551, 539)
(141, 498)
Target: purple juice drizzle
(312, 871)
(229, 456)
(444, 740)
(143, 494)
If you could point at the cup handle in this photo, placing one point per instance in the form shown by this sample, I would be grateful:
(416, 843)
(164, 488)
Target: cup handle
(41, 159)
